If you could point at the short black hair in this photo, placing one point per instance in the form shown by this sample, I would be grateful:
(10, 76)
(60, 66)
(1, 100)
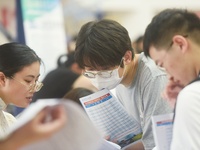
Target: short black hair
(102, 44)
(168, 23)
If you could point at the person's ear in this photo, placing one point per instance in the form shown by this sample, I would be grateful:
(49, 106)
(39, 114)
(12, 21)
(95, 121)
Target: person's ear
(2, 79)
(127, 57)
(181, 42)
(75, 67)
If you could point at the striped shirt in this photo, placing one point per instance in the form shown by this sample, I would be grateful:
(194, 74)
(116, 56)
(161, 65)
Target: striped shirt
(142, 99)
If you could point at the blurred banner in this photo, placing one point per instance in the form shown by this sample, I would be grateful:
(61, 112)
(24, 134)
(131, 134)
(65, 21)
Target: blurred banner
(40, 25)
(44, 30)
(7, 21)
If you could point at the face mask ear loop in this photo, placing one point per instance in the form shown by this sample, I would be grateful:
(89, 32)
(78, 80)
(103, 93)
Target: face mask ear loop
(122, 66)
(122, 62)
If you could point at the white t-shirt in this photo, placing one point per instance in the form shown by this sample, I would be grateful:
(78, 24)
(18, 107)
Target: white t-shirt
(186, 130)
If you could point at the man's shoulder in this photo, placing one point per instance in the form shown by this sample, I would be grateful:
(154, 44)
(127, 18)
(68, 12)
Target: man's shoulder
(190, 95)
(147, 67)
(191, 88)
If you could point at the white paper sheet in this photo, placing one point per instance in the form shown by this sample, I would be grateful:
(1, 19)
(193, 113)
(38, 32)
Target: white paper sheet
(109, 116)
(78, 134)
(162, 130)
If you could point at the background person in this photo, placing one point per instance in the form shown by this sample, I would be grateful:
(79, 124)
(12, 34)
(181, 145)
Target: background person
(76, 93)
(60, 80)
(138, 44)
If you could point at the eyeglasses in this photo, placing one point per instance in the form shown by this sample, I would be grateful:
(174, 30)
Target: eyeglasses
(31, 87)
(102, 74)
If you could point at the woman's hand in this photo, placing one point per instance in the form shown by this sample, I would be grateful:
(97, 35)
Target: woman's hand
(39, 127)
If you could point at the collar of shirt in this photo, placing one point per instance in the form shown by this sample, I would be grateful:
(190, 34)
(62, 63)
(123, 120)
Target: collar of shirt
(2, 105)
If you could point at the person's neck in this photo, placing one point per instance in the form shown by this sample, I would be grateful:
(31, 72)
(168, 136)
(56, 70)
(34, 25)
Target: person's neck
(194, 56)
(131, 71)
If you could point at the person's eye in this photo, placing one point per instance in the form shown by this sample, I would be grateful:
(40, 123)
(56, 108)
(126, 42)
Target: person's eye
(159, 64)
(161, 68)
(27, 81)
(87, 75)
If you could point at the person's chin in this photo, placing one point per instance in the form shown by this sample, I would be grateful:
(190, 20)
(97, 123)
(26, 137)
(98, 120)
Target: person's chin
(25, 104)
(29, 100)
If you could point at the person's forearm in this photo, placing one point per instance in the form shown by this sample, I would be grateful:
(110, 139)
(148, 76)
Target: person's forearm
(12, 142)
(8, 144)
(135, 146)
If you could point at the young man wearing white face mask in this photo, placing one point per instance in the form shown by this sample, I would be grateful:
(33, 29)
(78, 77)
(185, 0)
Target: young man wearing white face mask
(103, 79)
(103, 50)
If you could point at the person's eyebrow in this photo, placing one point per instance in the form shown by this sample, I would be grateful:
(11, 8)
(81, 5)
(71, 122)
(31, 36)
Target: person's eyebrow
(32, 76)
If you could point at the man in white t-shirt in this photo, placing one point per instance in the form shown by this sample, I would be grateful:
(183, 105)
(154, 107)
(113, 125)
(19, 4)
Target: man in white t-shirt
(172, 40)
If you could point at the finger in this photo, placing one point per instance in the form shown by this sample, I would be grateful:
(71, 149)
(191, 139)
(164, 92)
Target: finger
(42, 115)
(57, 122)
(58, 112)
(107, 137)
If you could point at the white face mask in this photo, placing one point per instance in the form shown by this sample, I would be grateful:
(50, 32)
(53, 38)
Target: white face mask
(109, 83)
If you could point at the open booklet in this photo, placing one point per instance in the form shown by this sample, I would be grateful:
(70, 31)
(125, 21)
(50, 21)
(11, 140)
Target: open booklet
(162, 130)
(78, 134)
(110, 117)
